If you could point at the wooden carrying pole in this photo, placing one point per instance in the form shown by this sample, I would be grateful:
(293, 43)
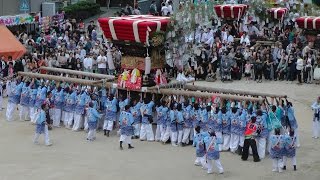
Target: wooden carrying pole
(205, 95)
(61, 79)
(159, 91)
(79, 73)
(231, 91)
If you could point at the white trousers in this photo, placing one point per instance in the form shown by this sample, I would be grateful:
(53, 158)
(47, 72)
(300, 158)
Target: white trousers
(186, 134)
(10, 110)
(108, 125)
(241, 141)
(56, 117)
(226, 142)
(23, 113)
(69, 119)
(158, 132)
(125, 139)
(91, 134)
(218, 165)
(293, 160)
(137, 128)
(1, 101)
(46, 136)
(166, 134)
(180, 135)
(219, 135)
(78, 122)
(174, 137)
(200, 161)
(277, 165)
(315, 128)
(234, 142)
(32, 114)
(261, 146)
(146, 132)
(86, 126)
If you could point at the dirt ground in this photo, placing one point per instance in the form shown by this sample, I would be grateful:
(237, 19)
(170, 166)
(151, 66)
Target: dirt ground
(72, 157)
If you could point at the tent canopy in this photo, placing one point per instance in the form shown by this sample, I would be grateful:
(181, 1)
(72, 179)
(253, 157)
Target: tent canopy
(9, 45)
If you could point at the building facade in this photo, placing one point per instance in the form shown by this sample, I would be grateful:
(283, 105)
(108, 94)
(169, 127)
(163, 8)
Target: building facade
(12, 7)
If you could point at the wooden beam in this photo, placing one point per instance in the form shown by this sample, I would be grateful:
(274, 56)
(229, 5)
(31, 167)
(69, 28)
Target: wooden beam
(205, 95)
(232, 91)
(157, 91)
(78, 73)
(61, 79)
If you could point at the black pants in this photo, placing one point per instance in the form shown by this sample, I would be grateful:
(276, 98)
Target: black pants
(245, 152)
(299, 76)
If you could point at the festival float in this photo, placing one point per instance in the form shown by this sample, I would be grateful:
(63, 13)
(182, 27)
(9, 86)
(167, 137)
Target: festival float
(141, 40)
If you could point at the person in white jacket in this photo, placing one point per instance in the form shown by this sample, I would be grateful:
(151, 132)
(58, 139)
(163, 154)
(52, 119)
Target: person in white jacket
(316, 118)
(299, 68)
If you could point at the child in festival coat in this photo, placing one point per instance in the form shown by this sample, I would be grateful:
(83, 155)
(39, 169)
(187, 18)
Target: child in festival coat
(126, 129)
(212, 152)
(93, 117)
(290, 150)
(42, 127)
(276, 151)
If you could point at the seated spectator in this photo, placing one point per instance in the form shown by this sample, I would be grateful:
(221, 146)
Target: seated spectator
(201, 72)
(211, 75)
(282, 69)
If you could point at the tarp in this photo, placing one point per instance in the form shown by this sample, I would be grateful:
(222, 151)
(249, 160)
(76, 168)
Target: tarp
(9, 45)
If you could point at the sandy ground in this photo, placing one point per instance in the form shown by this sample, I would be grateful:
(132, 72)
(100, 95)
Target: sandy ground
(72, 157)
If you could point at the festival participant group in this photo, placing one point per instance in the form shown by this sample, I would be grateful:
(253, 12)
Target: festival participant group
(210, 125)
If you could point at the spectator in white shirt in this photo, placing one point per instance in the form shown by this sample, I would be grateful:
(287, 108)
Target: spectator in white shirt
(170, 8)
(83, 52)
(201, 37)
(88, 63)
(164, 10)
(245, 39)
(102, 63)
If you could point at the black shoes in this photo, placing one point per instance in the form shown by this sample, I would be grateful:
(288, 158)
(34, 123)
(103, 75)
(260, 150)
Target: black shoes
(130, 147)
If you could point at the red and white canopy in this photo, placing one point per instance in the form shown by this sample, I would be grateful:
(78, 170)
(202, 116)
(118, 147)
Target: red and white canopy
(132, 28)
(278, 13)
(308, 22)
(231, 11)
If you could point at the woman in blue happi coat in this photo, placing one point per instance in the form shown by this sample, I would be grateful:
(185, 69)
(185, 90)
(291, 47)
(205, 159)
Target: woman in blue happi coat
(41, 96)
(146, 132)
(111, 114)
(203, 117)
(135, 111)
(58, 106)
(261, 121)
(180, 122)
(24, 101)
(173, 123)
(212, 152)
(32, 100)
(225, 119)
(293, 124)
(126, 129)
(79, 110)
(93, 116)
(166, 122)
(235, 120)
(244, 119)
(14, 97)
(187, 108)
(70, 102)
